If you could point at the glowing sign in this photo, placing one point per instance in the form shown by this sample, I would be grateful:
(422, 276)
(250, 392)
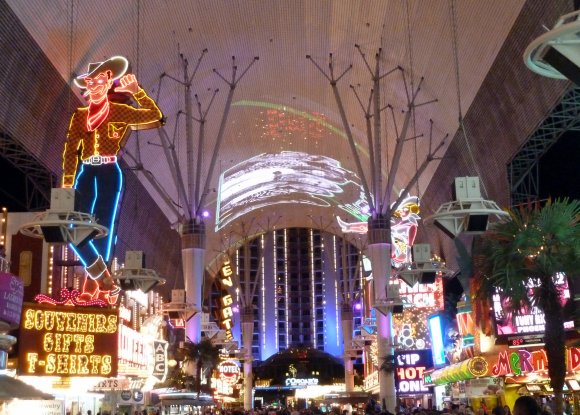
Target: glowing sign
(134, 352)
(97, 132)
(299, 382)
(520, 362)
(423, 295)
(228, 374)
(437, 346)
(403, 229)
(529, 319)
(56, 341)
(287, 177)
(410, 367)
(226, 311)
(160, 359)
(465, 324)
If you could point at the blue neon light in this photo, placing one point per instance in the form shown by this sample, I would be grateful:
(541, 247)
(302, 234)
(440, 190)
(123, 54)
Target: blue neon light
(436, 340)
(114, 214)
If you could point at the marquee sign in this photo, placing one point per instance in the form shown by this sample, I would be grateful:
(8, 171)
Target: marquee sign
(410, 367)
(63, 341)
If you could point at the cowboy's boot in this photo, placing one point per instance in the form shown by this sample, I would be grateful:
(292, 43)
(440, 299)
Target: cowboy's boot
(91, 286)
(109, 291)
(90, 289)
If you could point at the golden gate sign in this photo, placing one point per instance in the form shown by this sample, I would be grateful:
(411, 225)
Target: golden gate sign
(226, 311)
(68, 341)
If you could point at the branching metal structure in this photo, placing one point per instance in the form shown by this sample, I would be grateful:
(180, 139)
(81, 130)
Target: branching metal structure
(381, 208)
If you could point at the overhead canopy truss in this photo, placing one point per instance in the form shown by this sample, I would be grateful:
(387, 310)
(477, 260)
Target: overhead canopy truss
(38, 181)
(523, 169)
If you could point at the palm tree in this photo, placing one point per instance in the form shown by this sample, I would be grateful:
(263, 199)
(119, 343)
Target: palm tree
(528, 250)
(203, 356)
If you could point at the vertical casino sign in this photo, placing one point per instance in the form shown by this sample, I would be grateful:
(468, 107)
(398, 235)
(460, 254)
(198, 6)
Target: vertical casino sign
(68, 341)
(226, 312)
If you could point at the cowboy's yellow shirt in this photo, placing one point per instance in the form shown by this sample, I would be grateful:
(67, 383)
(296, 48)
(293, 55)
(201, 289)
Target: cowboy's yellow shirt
(106, 139)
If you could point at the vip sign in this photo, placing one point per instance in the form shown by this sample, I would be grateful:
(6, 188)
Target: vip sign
(226, 311)
(410, 367)
(63, 341)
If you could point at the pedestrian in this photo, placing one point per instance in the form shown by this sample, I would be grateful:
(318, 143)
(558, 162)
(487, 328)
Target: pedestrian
(526, 405)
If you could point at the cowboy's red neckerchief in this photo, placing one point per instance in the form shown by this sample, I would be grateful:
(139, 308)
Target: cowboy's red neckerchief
(98, 112)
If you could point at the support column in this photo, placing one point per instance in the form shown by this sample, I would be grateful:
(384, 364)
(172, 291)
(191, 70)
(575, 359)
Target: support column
(346, 320)
(379, 249)
(349, 353)
(192, 257)
(247, 336)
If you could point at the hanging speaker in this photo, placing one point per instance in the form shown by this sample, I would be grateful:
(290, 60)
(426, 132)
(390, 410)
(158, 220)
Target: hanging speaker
(428, 277)
(562, 64)
(477, 223)
(53, 234)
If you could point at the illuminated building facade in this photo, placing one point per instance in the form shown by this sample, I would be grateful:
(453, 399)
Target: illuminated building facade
(298, 299)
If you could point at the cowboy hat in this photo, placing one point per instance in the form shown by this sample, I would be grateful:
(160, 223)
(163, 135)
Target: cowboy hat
(118, 65)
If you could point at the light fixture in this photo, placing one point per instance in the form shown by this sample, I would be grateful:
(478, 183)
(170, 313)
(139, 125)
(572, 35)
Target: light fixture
(469, 213)
(61, 224)
(556, 53)
(134, 277)
(423, 269)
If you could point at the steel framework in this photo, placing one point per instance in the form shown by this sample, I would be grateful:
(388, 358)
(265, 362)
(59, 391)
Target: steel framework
(37, 179)
(523, 169)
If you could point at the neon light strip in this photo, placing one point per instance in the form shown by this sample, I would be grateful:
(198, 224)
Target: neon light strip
(335, 260)
(312, 282)
(275, 293)
(286, 283)
(264, 297)
(114, 213)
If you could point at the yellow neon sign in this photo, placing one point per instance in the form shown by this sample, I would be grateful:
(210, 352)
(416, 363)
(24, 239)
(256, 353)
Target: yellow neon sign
(59, 342)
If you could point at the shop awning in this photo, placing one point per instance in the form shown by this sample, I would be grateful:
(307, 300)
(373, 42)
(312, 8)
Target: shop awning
(11, 388)
(475, 367)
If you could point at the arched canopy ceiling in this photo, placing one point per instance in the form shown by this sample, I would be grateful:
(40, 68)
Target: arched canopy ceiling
(284, 121)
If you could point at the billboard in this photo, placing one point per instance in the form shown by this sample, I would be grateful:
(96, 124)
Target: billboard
(68, 341)
(529, 319)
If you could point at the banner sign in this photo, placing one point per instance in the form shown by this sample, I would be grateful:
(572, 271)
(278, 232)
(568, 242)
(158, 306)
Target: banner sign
(11, 293)
(68, 341)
